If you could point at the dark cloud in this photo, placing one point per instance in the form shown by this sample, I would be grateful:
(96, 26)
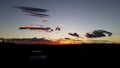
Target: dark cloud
(74, 34)
(57, 29)
(37, 12)
(46, 29)
(67, 38)
(51, 30)
(31, 9)
(98, 33)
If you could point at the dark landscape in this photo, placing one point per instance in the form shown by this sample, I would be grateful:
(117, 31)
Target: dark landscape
(60, 55)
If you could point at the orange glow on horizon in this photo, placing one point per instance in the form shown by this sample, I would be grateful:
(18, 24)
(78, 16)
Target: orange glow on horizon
(69, 41)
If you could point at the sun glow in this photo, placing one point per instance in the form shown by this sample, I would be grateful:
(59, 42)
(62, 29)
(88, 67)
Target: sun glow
(68, 41)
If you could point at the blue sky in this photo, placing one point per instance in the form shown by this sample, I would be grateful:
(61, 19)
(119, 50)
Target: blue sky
(79, 16)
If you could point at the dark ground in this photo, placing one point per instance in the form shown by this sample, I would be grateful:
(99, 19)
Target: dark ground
(96, 55)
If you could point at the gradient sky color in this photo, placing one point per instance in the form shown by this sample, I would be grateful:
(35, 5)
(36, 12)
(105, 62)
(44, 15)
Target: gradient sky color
(79, 16)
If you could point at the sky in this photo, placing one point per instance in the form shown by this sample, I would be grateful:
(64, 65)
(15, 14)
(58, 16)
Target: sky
(80, 16)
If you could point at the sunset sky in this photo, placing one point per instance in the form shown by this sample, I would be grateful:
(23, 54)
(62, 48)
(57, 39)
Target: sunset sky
(80, 16)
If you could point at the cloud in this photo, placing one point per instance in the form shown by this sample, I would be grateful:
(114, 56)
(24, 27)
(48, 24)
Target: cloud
(31, 9)
(57, 29)
(44, 20)
(37, 12)
(98, 33)
(45, 29)
(74, 34)
(67, 38)
(98, 41)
